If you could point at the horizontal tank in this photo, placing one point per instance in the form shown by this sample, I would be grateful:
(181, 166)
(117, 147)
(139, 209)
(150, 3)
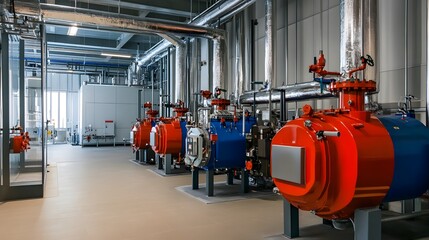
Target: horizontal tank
(222, 144)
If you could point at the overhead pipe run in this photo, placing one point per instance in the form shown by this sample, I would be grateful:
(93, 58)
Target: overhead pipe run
(213, 13)
(296, 92)
(65, 15)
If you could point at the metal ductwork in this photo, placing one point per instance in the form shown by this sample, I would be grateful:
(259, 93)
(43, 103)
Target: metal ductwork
(180, 68)
(358, 22)
(64, 15)
(211, 14)
(297, 92)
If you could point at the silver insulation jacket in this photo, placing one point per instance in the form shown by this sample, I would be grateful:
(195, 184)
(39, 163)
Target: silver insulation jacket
(297, 92)
(180, 68)
(358, 35)
(269, 42)
(218, 63)
(239, 56)
(351, 44)
(57, 14)
(217, 10)
(370, 36)
(427, 69)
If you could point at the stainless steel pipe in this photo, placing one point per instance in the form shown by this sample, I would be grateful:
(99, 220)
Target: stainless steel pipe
(297, 92)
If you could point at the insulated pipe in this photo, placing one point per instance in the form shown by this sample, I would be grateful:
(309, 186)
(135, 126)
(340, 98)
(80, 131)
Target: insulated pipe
(218, 63)
(239, 57)
(216, 11)
(350, 34)
(180, 69)
(427, 61)
(57, 15)
(269, 52)
(370, 36)
(296, 92)
(269, 42)
(358, 22)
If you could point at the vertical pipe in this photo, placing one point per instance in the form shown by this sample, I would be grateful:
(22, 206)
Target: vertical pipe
(218, 64)
(139, 104)
(180, 71)
(187, 98)
(269, 52)
(286, 43)
(167, 114)
(427, 61)
(350, 34)
(5, 86)
(239, 56)
(406, 50)
(153, 85)
(269, 42)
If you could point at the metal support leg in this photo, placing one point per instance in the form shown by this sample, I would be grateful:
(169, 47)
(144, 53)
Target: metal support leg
(290, 220)
(195, 179)
(327, 222)
(367, 224)
(167, 163)
(158, 160)
(407, 206)
(229, 177)
(138, 155)
(244, 188)
(209, 182)
(417, 204)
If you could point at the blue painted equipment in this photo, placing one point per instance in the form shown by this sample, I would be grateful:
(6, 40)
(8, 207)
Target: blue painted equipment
(411, 150)
(221, 144)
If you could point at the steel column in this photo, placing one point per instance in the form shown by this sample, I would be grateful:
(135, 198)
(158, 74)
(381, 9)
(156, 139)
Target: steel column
(22, 95)
(5, 106)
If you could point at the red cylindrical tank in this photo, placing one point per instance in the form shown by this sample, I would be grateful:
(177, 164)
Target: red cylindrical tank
(338, 174)
(142, 134)
(168, 137)
(335, 161)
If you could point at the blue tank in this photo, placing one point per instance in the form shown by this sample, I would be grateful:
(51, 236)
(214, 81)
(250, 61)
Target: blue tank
(411, 150)
(184, 135)
(229, 151)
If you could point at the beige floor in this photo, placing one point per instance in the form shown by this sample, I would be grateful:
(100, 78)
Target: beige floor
(97, 193)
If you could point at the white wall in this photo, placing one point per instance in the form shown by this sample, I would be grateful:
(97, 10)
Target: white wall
(117, 103)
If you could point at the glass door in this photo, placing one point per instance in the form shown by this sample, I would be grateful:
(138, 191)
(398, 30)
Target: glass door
(23, 164)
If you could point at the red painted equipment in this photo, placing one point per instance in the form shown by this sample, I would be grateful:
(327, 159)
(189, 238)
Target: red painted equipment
(221, 103)
(20, 143)
(319, 66)
(150, 113)
(343, 158)
(168, 137)
(141, 134)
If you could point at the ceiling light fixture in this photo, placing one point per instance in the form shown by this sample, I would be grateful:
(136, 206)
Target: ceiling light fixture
(72, 31)
(116, 55)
